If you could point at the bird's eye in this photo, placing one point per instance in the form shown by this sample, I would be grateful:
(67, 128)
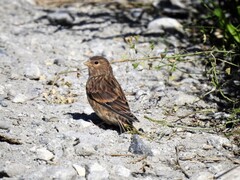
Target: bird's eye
(96, 62)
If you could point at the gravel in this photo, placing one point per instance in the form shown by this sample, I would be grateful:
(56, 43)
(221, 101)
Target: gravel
(48, 129)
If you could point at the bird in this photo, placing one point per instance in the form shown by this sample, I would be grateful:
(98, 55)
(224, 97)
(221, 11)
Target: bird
(106, 96)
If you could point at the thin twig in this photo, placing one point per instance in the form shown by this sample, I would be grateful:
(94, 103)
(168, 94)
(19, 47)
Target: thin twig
(173, 56)
(178, 163)
(120, 155)
(165, 123)
(229, 170)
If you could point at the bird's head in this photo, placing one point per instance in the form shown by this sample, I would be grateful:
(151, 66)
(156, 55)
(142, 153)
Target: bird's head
(98, 65)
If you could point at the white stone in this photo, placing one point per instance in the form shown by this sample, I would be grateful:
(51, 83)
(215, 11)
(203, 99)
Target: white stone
(33, 72)
(14, 169)
(165, 23)
(97, 172)
(20, 98)
(207, 147)
(85, 124)
(2, 89)
(218, 142)
(156, 152)
(179, 3)
(122, 171)
(183, 99)
(44, 154)
(96, 167)
(4, 124)
(80, 170)
(202, 176)
(84, 149)
(88, 110)
(61, 173)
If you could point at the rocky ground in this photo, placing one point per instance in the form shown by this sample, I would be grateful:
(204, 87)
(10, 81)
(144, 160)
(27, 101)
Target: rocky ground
(49, 131)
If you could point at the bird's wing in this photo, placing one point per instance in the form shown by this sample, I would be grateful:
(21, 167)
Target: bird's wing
(108, 93)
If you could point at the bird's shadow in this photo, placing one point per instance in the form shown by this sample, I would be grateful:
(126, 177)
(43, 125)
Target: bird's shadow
(94, 119)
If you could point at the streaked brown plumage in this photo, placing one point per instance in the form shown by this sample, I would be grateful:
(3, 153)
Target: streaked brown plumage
(106, 96)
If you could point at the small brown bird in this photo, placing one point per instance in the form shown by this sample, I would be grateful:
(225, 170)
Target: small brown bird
(106, 96)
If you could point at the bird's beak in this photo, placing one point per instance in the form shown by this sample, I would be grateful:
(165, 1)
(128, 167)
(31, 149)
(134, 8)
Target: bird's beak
(87, 63)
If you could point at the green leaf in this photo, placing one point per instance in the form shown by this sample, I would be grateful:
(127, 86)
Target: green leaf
(219, 13)
(234, 32)
(152, 45)
(238, 10)
(135, 65)
(132, 46)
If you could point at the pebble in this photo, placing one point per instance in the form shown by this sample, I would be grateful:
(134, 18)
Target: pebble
(44, 154)
(80, 170)
(97, 172)
(2, 102)
(122, 171)
(187, 155)
(207, 147)
(156, 152)
(4, 124)
(137, 146)
(183, 99)
(202, 176)
(61, 18)
(88, 110)
(34, 92)
(20, 98)
(140, 93)
(33, 72)
(55, 146)
(179, 3)
(59, 62)
(61, 173)
(14, 169)
(83, 149)
(160, 24)
(15, 76)
(221, 115)
(218, 142)
(85, 124)
(50, 119)
(2, 90)
(38, 41)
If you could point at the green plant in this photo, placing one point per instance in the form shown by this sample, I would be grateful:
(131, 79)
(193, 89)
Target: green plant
(223, 23)
(219, 23)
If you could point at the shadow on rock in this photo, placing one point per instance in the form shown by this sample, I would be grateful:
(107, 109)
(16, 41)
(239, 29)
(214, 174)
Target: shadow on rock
(94, 119)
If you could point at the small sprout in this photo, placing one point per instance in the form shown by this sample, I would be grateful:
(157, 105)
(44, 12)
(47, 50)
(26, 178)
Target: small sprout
(136, 38)
(152, 45)
(163, 55)
(135, 65)
(68, 84)
(132, 46)
(173, 67)
(128, 39)
(228, 71)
